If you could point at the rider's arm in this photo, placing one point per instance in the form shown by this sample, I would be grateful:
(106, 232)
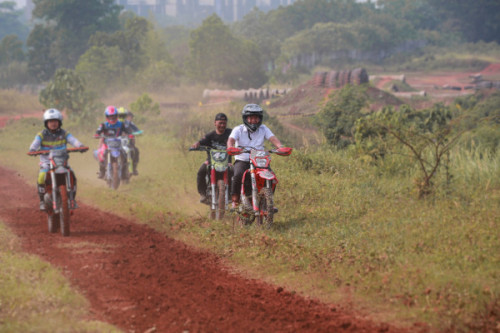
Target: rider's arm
(134, 127)
(231, 142)
(36, 144)
(125, 130)
(275, 141)
(73, 141)
(99, 131)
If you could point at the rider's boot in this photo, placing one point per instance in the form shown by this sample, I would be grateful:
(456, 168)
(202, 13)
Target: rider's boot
(134, 169)
(72, 202)
(203, 199)
(235, 200)
(41, 194)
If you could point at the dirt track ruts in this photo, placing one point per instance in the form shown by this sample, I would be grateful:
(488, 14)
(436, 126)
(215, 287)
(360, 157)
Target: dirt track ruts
(138, 279)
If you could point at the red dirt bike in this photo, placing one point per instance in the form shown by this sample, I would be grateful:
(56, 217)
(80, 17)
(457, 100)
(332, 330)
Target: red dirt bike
(59, 188)
(217, 180)
(263, 181)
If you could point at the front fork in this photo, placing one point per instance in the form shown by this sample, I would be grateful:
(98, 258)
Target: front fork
(213, 184)
(108, 163)
(254, 190)
(55, 207)
(269, 184)
(55, 190)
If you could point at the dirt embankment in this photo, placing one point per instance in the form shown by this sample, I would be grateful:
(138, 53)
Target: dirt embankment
(141, 280)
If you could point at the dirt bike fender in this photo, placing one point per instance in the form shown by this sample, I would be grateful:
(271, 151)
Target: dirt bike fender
(115, 153)
(61, 170)
(266, 174)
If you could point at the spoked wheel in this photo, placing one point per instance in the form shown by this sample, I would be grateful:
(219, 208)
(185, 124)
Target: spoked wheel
(115, 178)
(246, 215)
(221, 200)
(52, 218)
(266, 208)
(64, 213)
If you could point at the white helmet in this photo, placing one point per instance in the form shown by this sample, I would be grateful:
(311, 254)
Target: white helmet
(50, 114)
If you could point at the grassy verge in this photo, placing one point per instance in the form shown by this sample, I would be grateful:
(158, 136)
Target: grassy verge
(35, 297)
(12, 102)
(346, 230)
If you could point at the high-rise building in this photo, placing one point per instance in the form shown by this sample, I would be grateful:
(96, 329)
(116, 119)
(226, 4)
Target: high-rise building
(195, 10)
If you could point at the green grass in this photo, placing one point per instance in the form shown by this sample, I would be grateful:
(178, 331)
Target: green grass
(35, 297)
(12, 102)
(346, 229)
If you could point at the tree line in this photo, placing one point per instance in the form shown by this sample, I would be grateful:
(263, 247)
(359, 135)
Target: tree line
(109, 46)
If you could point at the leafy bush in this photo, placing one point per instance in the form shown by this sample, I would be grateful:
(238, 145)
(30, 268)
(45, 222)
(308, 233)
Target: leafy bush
(144, 105)
(68, 91)
(337, 118)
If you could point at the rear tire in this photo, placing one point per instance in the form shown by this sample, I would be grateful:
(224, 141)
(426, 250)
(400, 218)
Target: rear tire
(221, 200)
(64, 214)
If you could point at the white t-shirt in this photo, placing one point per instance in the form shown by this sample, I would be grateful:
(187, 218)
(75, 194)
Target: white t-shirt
(255, 140)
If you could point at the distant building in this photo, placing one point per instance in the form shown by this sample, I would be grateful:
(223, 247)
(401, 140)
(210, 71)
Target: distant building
(195, 10)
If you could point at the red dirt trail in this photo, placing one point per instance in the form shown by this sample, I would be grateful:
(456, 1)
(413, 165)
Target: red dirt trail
(140, 280)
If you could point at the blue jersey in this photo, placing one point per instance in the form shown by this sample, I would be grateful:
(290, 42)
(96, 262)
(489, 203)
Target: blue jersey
(113, 130)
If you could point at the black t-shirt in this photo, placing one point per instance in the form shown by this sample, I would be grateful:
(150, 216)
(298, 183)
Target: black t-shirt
(212, 139)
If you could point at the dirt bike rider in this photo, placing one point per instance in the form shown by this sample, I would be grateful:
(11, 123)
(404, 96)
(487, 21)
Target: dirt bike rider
(125, 116)
(217, 137)
(112, 127)
(52, 137)
(252, 133)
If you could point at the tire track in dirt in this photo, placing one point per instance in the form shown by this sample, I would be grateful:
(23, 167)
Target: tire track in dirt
(138, 279)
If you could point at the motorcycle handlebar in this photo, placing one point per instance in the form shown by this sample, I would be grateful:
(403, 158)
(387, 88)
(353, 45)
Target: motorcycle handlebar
(69, 150)
(283, 151)
(201, 148)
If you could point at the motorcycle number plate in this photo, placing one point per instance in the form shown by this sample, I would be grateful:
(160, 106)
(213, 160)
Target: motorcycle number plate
(114, 144)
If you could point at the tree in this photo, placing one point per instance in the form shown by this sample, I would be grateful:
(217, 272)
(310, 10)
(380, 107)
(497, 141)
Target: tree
(41, 64)
(66, 91)
(217, 55)
(477, 20)
(9, 21)
(11, 49)
(102, 65)
(427, 134)
(71, 23)
(339, 115)
(135, 54)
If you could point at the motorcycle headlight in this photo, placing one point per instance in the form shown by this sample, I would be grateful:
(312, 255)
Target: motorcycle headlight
(261, 162)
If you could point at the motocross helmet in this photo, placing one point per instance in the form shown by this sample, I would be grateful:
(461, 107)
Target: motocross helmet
(122, 113)
(111, 114)
(51, 114)
(252, 110)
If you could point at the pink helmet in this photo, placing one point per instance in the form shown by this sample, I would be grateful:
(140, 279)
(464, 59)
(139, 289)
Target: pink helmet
(110, 111)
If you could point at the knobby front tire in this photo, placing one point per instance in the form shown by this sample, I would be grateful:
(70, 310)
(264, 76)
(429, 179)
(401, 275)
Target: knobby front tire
(221, 200)
(266, 208)
(64, 214)
(115, 179)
